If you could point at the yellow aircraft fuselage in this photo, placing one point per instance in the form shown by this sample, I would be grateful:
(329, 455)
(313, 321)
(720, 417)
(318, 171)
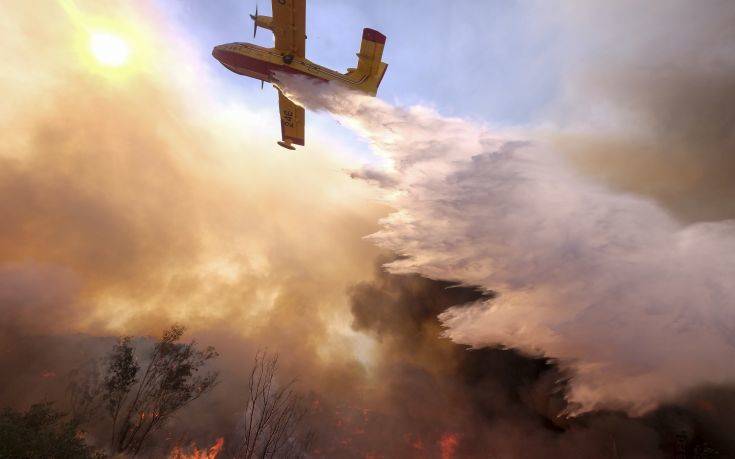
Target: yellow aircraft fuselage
(263, 63)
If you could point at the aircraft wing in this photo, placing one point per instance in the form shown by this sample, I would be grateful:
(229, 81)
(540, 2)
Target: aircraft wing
(292, 120)
(289, 26)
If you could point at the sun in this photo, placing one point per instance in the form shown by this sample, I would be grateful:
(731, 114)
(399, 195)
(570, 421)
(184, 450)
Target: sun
(110, 50)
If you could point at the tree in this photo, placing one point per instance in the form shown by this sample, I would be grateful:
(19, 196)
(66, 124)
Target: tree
(121, 375)
(138, 408)
(84, 391)
(42, 432)
(139, 405)
(272, 422)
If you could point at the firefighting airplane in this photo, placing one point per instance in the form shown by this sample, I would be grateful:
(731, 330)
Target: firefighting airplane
(288, 24)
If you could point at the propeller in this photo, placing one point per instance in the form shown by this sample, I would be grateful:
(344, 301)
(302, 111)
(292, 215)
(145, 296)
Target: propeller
(255, 21)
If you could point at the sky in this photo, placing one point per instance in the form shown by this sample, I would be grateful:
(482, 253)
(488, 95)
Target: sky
(483, 60)
(546, 183)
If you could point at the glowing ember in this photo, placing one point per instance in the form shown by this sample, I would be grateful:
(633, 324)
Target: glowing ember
(211, 453)
(448, 445)
(415, 442)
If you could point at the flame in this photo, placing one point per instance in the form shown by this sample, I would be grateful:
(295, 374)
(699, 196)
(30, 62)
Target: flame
(448, 445)
(415, 442)
(705, 405)
(211, 453)
(143, 415)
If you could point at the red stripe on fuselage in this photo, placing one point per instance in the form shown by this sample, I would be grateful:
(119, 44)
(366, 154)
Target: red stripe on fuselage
(237, 62)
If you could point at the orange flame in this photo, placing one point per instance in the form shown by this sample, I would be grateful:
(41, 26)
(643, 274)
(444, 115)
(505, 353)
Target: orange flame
(448, 445)
(211, 453)
(414, 441)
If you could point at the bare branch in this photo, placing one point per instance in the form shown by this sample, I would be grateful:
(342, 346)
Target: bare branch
(271, 424)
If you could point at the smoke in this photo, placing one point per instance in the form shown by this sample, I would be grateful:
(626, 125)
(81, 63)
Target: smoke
(132, 200)
(439, 399)
(636, 306)
(135, 201)
(647, 99)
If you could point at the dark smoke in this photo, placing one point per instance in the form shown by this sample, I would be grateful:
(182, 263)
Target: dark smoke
(422, 396)
(498, 402)
(649, 99)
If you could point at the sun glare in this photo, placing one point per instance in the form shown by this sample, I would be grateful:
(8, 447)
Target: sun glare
(109, 50)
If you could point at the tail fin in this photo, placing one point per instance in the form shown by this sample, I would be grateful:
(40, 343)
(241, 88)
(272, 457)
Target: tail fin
(369, 60)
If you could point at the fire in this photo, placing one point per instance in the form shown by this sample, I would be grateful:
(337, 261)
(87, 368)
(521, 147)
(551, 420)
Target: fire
(143, 415)
(211, 453)
(448, 445)
(415, 442)
(705, 405)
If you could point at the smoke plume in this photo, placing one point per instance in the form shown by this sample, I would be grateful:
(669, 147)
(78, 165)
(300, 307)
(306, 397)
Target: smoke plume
(132, 200)
(647, 100)
(495, 402)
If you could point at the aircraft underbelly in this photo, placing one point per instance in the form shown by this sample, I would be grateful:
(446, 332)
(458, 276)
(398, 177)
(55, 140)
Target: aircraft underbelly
(258, 68)
(264, 64)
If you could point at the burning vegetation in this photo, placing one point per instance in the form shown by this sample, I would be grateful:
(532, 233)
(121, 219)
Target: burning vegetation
(195, 453)
(424, 398)
(122, 405)
(134, 405)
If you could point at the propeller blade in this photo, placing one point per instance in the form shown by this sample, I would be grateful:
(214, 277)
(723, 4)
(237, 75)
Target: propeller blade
(262, 84)
(255, 21)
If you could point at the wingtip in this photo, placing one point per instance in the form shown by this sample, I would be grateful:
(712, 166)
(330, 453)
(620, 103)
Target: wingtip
(286, 145)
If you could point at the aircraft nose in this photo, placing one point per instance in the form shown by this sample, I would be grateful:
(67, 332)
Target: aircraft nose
(217, 52)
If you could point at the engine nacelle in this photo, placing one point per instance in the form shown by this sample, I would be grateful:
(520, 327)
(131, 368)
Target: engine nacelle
(265, 22)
